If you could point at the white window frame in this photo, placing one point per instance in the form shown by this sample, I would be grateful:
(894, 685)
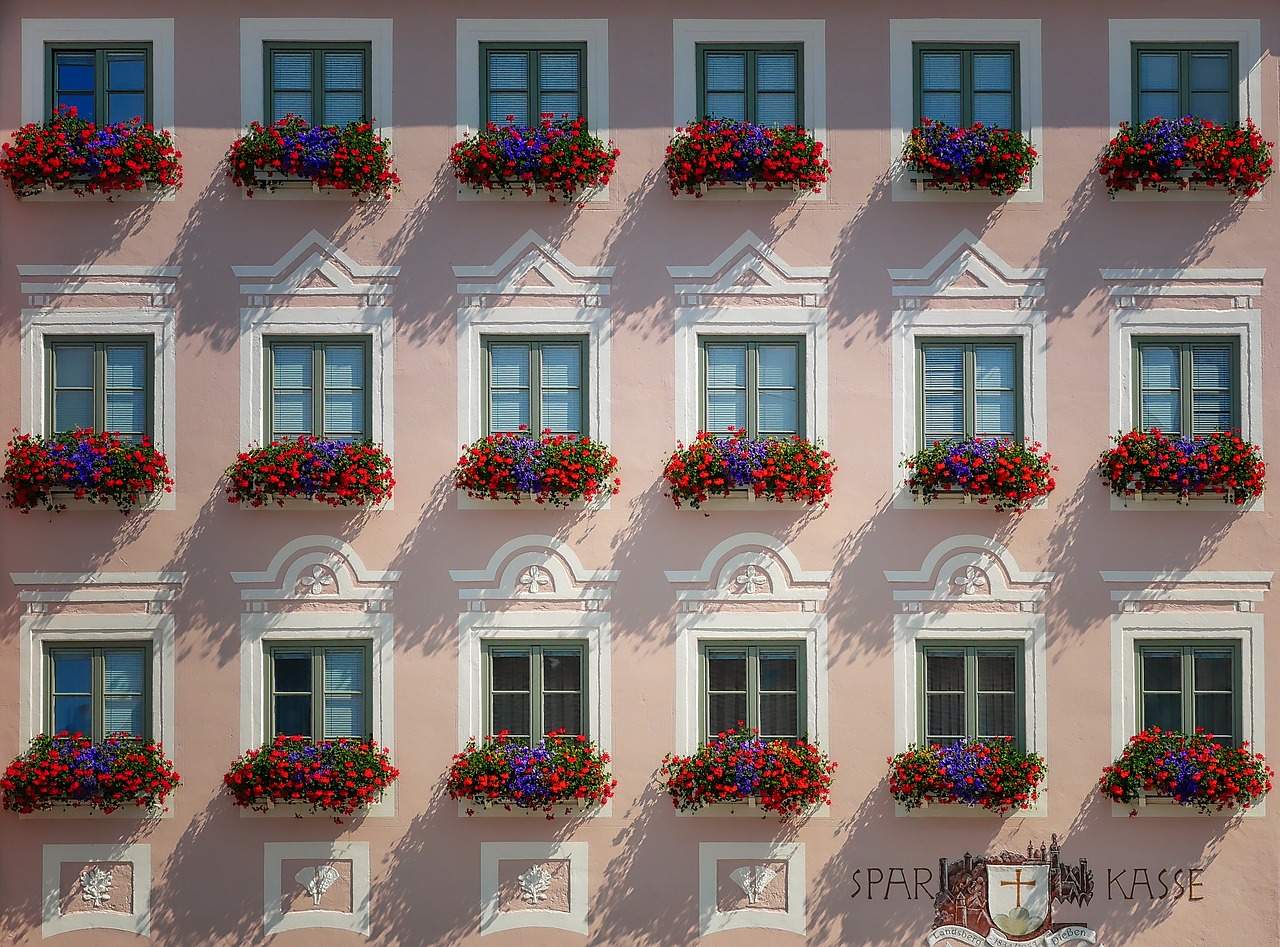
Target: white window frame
(1026, 629)
(904, 34)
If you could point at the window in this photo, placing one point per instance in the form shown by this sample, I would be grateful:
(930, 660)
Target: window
(535, 689)
(319, 691)
(538, 384)
(969, 389)
(964, 84)
(98, 691)
(1200, 79)
(761, 687)
(520, 83)
(1185, 387)
(971, 691)
(1185, 686)
(106, 83)
(318, 387)
(753, 386)
(324, 84)
(760, 83)
(102, 384)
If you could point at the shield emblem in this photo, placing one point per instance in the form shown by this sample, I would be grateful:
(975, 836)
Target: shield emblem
(1018, 897)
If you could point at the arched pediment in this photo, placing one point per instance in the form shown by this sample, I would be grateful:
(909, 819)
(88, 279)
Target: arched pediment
(749, 569)
(534, 570)
(969, 570)
(316, 569)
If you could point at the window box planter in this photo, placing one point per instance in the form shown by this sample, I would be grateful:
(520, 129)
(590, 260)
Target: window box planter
(1164, 154)
(559, 156)
(332, 776)
(715, 153)
(68, 153)
(90, 465)
(559, 771)
(1188, 768)
(1010, 476)
(311, 469)
(990, 773)
(558, 469)
(724, 465)
(68, 770)
(351, 158)
(738, 767)
(940, 157)
(1153, 463)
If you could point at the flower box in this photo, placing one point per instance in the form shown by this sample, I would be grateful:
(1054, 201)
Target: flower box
(1009, 475)
(555, 468)
(1163, 154)
(352, 158)
(70, 770)
(715, 153)
(311, 469)
(1153, 463)
(559, 156)
(336, 776)
(558, 771)
(92, 465)
(1189, 769)
(991, 773)
(738, 767)
(722, 465)
(68, 153)
(941, 157)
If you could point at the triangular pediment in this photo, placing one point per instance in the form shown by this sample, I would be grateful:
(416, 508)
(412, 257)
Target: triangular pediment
(532, 267)
(316, 267)
(749, 267)
(966, 268)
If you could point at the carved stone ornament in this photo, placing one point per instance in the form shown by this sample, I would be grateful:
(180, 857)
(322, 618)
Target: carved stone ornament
(320, 581)
(752, 581)
(971, 581)
(753, 879)
(95, 886)
(534, 883)
(317, 880)
(536, 580)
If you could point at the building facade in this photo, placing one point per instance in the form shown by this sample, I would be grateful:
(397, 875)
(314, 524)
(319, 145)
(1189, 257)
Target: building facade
(874, 315)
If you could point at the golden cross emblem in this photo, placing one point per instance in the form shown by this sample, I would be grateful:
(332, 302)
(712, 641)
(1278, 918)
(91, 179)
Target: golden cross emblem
(1018, 884)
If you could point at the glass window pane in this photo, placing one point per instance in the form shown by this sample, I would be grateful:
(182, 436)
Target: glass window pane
(126, 412)
(561, 669)
(125, 106)
(726, 72)
(1211, 367)
(344, 717)
(511, 669)
(1210, 71)
(126, 366)
(291, 366)
(1158, 72)
(1163, 411)
(992, 72)
(726, 712)
(997, 671)
(72, 409)
(777, 366)
(509, 366)
(73, 714)
(83, 102)
(779, 716)
(779, 671)
(73, 366)
(291, 413)
(291, 671)
(731, 106)
(562, 712)
(561, 411)
(778, 413)
(509, 108)
(291, 69)
(342, 108)
(560, 71)
(1162, 670)
(344, 414)
(944, 670)
(993, 109)
(74, 71)
(560, 104)
(997, 716)
(1214, 106)
(512, 713)
(776, 72)
(126, 71)
(1163, 711)
(944, 716)
(344, 70)
(1158, 105)
(508, 410)
(1214, 714)
(72, 672)
(561, 366)
(343, 671)
(123, 715)
(776, 108)
(284, 104)
(727, 670)
(508, 70)
(726, 409)
(726, 366)
(940, 72)
(124, 672)
(293, 714)
(1211, 412)
(1213, 670)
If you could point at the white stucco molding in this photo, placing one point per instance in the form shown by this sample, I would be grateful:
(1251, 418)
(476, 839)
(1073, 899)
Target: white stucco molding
(1198, 589)
(493, 919)
(966, 268)
(533, 267)
(314, 266)
(136, 920)
(274, 917)
(1239, 287)
(315, 569)
(750, 267)
(749, 569)
(535, 569)
(969, 569)
(153, 591)
(711, 920)
(157, 283)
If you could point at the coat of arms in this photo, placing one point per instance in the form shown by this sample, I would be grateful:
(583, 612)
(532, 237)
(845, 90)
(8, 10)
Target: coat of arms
(1007, 900)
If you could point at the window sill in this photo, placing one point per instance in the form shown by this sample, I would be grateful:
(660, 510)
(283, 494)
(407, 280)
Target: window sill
(316, 506)
(909, 186)
(123, 814)
(278, 809)
(958, 500)
(743, 191)
(747, 500)
(1176, 192)
(291, 187)
(528, 501)
(749, 809)
(1153, 502)
(1166, 807)
(956, 810)
(919, 183)
(540, 195)
(496, 810)
(160, 500)
(147, 194)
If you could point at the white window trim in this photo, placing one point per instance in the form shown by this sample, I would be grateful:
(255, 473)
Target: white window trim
(137, 921)
(254, 32)
(275, 854)
(476, 629)
(903, 34)
(1128, 630)
(258, 629)
(493, 920)
(909, 631)
(711, 920)
(38, 325)
(912, 325)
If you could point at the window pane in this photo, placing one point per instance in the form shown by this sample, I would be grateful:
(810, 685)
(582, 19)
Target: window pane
(123, 715)
(725, 712)
(1162, 710)
(992, 72)
(344, 70)
(942, 107)
(777, 366)
(74, 71)
(561, 366)
(344, 717)
(776, 72)
(73, 366)
(1160, 367)
(559, 72)
(344, 685)
(778, 413)
(1162, 670)
(995, 398)
(1210, 71)
(779, 671)
(562, 712)
(561, 669)
(1212, 403)
(1214, 714)
(940, 72)
(72, 672)
(83, 103)
(727, 670)
(126, 413)
(944, 717)
(726, 409)
(291, 366)
(284, 104)
(1213, 670)
(344, 415)
(291, 413)
(291, 671)
(72, 409)
(509, 108)
(291, 69)
(293, 715)
(508, 70)
(560, 104)
(125, 106)
(1158, 105)
(943, 392)
(726, 72)
(1214, 106)
(343, 671)
(994, 109)
(512, 713)
(944, 671)
(727, 366)
(126, 366)
(996, 715)
(779, 716)
(726, 387)
(342, 108)
(1211, 367)
(509, 366)
(1158, 72)
(776, 108)
(127, 71)
(73, 714)
(510, 669)
(508, 410)
(997, 671)
(731, 106)
(123, 672)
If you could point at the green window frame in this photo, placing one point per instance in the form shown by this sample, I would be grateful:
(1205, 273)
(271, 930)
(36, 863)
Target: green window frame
(322, 83)
(532, 688)
(1183, 685)
(319, 386)
(98, 690)
(968, 388)
(540, 382)
(528, 80)
(322, 690)
(106, 383)
(106, 82)
(758, 685)
(961, 84)
(752, 383)
(761, 83)
(972, 690)
(1178, 378)
(1200, 79)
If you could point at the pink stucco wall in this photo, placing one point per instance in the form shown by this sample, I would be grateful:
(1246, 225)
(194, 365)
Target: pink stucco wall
(643, 877)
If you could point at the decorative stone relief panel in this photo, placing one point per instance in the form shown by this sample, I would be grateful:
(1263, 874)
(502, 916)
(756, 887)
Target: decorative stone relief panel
(531, 269)
(316, 884)
(966, 272)
(307, 885)
(96, 887)
(316, 569)
(751, 885)
(533, 884)
(750, 271)
(316, 268)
